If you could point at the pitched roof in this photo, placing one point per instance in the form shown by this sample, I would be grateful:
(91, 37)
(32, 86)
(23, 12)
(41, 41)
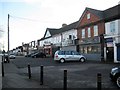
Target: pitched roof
(69, 27)
(112, 13)
(99, 13)
(54, 31)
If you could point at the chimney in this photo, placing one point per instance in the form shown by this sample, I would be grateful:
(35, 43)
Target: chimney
(64, 24)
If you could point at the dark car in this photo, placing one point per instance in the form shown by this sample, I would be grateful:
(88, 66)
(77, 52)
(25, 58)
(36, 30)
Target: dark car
(5, 58)
(29, 55)
(38, 55)
(115, 75)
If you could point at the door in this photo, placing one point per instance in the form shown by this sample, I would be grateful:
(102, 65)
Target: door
(76, 55)
(110, 54)
(118, 53)
(68, 55)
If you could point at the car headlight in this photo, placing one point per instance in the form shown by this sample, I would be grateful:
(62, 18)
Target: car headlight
(114, 70)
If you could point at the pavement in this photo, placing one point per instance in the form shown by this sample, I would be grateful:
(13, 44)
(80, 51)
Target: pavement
(13, 80)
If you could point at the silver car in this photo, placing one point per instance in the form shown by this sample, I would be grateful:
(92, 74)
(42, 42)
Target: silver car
(63, 56)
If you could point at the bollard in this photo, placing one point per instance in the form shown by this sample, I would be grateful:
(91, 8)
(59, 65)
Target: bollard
(41, 75)
(99, 81)
(29, 71)
(65, 80)
(2, 69)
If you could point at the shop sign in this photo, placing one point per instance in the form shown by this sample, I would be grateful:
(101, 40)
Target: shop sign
(110, 44)
(109, 40)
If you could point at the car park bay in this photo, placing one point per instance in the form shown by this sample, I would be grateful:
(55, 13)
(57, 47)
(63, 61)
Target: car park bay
(80, 75)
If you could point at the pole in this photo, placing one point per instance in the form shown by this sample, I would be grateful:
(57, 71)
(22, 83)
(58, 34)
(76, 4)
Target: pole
(2, 69)
(8, 38)
(99, 81)
(29, 71)
(41, 75)
(65, 80)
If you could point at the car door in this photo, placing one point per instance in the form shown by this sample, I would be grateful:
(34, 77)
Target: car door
(68, 55)
(76, 55)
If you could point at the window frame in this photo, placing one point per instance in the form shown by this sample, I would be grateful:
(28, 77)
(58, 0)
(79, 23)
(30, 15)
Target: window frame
(96, 30)
(112, 27)
(89, 32)
(88, 16)
(83, 33)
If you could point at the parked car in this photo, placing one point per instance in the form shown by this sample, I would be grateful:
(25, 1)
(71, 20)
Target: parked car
(38, 55)
(63, 56)
(115, 75)
(12, 56)
(29, 55)
(5, 58)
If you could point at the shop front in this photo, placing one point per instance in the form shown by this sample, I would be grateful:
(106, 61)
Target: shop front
(109, 50)
(91, 48)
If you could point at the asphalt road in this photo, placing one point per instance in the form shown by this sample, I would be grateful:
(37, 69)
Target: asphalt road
(80, 75)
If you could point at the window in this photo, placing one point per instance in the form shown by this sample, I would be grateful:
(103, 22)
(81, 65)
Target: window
(96, 30)
(75, 53)
(90, 49)
(88, 16)
(61, 53)
(89, 32)
(68, 53)
(83, 33)
(70, 36)
(112, 27)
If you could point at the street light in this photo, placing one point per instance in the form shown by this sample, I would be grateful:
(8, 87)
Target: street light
(8, 37)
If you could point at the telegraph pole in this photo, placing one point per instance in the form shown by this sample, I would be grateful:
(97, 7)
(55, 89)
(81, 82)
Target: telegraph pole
(8, 37)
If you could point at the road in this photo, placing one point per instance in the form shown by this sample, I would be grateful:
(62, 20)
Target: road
(80, 75)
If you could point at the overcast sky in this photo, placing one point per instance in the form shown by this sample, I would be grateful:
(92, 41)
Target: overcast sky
(30, 18)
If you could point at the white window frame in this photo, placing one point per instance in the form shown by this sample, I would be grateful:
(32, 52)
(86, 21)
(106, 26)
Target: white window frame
(89, 32)
(112, 27)
(83, 33)
(96, 30)
(88, 16)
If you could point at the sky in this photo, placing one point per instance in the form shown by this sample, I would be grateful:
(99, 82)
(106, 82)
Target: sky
(30, 18)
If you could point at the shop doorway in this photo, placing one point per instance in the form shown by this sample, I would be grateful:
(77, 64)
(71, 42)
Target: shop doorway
(110, 54)
(118, 53)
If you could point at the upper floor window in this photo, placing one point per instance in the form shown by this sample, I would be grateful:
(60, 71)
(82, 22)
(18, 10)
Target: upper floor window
(112, 27)
(88, 16)
(83, 33)
(89, 32)
(96, 30)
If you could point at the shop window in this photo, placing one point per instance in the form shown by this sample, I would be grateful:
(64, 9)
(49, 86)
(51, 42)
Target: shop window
(85, 50)
(89, 49)
(81, 50)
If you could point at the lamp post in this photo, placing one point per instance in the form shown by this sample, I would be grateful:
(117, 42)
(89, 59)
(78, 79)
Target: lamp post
(8, 37)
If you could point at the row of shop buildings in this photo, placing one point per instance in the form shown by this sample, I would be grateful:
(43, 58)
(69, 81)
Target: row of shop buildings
(96, 35)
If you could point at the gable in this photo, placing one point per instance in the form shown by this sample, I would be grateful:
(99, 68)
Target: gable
(47, 34)
(85, 21)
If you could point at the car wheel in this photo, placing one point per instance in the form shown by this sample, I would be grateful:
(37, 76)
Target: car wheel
(118, 81)
(62, 60)
(82, 60)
